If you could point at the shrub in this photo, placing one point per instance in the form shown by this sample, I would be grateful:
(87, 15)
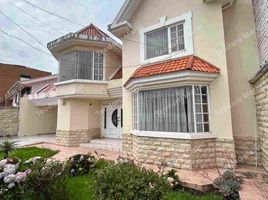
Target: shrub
(46, 181)
(174, 180)
(228, 185)
(126, 180)
(11, 180)
(7, 146)
(80, 165)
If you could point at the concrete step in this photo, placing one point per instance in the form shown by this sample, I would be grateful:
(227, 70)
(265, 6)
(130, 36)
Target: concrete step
(104, 144)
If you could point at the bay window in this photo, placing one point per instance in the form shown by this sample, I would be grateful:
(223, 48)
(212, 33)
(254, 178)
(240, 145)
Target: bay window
(164, 41)
(183, 109)
(81, 65)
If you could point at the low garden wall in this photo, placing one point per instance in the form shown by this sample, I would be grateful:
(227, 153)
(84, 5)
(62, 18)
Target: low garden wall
(9, 120)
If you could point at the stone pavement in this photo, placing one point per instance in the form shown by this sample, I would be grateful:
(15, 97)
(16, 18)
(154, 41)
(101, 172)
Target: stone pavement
(31, 140)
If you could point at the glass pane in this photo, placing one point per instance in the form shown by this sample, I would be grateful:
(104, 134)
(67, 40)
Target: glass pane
(204, 99)
(166, 110)
(85, 65)
(115, 117)
(105, 118)
(205, 117)
(197, 90)
(199, 118)
(204, 90)
(177, 37)
(199, 128)
(206, 127)
(205, 108)
(157, 43)
(198, 108)
(197, 99)
(67, 68)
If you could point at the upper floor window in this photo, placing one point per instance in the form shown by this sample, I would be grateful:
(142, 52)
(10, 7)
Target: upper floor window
(170, 38)
(81, 65)
(165, 41)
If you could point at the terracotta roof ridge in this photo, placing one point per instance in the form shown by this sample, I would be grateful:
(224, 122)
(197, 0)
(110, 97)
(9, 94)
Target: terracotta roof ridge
(190, 62)
(207, 62)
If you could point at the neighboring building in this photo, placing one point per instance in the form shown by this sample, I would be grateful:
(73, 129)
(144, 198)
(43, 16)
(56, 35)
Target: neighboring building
(38, 110)
(10, 75)
(260, 80)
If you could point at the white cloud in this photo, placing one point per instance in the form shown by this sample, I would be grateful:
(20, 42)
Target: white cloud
(99, 12)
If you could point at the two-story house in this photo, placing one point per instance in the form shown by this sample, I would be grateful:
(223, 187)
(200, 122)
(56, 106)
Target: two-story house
(187, 99)
(176, 91)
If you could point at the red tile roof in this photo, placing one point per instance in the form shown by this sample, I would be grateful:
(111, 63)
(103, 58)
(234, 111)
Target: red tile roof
(117, 75)
(192, 63)
(92, 30)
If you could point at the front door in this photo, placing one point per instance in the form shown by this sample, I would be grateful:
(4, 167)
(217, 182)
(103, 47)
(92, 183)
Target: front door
(112, 124)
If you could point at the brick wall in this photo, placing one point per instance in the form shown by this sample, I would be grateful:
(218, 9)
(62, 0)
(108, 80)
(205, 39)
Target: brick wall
(10, 74)
(9, 120)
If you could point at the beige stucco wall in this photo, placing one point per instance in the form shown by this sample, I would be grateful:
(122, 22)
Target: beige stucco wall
(97, 90)
(78, 114)
(36, 120)
(243, 62)
(208, 44)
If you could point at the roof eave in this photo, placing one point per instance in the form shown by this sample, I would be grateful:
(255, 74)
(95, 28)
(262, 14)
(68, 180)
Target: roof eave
(120, 29)
(185, 76)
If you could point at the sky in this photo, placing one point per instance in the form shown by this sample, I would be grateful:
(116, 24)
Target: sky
(47, 27)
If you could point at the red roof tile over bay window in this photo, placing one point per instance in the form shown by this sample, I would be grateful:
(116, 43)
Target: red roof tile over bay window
(117, 75)
(191, 63)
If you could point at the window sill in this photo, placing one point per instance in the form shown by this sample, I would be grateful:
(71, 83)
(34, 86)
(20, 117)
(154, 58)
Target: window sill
(171, 135)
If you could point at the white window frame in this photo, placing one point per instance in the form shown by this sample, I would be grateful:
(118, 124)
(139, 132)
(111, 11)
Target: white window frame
(186, 19)
(191, 135)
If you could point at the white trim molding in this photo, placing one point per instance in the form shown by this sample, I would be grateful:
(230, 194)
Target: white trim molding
(186, 19)
(81, 81)
(171, 135)
(172, 79)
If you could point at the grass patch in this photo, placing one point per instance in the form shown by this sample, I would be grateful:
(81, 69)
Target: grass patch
(29, 152)
(79, 188)
(189, 196)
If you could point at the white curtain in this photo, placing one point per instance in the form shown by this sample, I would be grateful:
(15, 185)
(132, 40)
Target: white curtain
(167, 110)
(67, 69)
(85, 65)
(157, 43)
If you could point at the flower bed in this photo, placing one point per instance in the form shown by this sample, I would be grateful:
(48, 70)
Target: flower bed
(85, 177)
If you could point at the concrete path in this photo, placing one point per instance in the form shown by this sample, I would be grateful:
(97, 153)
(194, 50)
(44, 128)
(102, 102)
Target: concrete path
(31, 140)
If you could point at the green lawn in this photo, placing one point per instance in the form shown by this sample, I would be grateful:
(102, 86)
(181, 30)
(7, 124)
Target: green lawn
(83, 191)
(29, 152)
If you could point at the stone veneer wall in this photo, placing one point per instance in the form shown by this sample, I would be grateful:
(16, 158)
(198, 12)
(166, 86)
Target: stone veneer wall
(245, 148)
(181, 154)
(75, 138)
(261, 94)
(9, 121)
